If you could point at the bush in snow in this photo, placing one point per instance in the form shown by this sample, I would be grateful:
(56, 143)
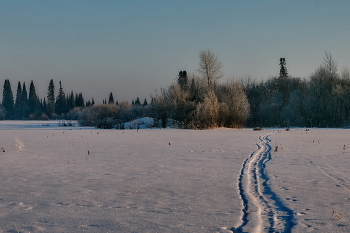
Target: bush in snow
(100, 115)
(73, 114)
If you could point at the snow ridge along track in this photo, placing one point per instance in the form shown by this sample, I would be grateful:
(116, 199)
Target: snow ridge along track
(262, 209)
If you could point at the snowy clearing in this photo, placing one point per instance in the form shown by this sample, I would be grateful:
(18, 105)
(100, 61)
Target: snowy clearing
(73, 179)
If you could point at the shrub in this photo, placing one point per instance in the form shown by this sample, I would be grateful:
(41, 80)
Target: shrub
(73, 114)
(44, 117)
(106, 123)
(100, 115)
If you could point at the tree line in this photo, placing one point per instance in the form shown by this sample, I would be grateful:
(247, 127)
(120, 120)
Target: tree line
(200, 100)
(26, 105)
(321, 100)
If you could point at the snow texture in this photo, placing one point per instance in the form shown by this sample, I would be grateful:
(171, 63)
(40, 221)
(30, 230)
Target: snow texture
(74, 179)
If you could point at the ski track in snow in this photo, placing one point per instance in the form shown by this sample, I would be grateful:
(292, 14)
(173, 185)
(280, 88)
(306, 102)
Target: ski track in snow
(262, 209)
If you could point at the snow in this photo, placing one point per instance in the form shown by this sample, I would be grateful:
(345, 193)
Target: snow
(79, 179)
(141, 123)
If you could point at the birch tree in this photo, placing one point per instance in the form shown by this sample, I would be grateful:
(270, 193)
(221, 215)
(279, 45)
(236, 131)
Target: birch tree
(210, 67)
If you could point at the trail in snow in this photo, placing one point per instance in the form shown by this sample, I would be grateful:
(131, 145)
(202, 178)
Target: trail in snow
(262, 209)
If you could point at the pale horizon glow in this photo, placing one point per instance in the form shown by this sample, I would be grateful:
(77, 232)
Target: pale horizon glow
(131, 48)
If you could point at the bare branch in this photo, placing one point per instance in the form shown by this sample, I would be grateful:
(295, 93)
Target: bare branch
(209, 67)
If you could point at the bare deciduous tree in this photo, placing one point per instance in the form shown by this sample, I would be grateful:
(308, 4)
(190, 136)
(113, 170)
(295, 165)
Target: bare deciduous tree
(209, 67)
(329, 64)
(345, 73)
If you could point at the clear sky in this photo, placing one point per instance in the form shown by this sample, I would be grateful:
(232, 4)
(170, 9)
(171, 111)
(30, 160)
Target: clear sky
(133, 47)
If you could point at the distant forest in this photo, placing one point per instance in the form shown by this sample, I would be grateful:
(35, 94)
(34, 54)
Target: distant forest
(200, 100)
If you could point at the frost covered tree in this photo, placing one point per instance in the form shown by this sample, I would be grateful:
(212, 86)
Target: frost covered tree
(160, 107)
(209, 67)
(234, 105)
(100, 116)
(207, 113)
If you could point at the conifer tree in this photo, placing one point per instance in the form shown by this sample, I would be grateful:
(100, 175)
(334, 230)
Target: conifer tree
(51, 99)
(137, 101)
(60, 105)
(71, 100)
(24, 97)
(92, 102)
(18, 113)
(111, 99)
(18, 96)
(193, 90)
(183, 80)
(79, 100)
(145, 102)
(44, 105)
(76, 100)
(7, 98)
(33, 100)
(67, 102)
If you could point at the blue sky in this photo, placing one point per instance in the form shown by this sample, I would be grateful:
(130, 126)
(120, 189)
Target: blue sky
(131, 47)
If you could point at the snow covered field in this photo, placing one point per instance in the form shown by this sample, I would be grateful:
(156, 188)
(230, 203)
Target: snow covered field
(73, 179)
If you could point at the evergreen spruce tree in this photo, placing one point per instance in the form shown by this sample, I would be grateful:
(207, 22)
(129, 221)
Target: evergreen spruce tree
(7, 98)
(24, 97)
(67, 102)
(79, 100)
(111, 99)
(51, 99)
(137, 101)
(76, 101)
(24, 102)
(33, 100)
(44, 106)
(18, 113)
(60, 105)
(145, 102)
(183, 80)
(283, 69)
(71, 100)
(193, 90)
(18, 96)
(92, 102)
